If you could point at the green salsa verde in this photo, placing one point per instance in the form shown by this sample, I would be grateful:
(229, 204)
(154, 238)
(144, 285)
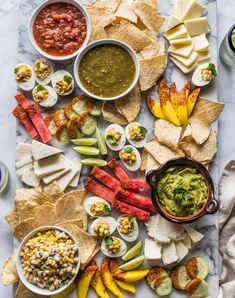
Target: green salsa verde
(182, 190)
(107, 70)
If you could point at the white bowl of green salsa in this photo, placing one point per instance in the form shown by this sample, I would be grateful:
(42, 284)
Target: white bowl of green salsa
(107, 69)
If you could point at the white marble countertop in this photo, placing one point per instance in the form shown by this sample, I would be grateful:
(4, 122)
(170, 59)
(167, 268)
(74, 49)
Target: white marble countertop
(8, 56)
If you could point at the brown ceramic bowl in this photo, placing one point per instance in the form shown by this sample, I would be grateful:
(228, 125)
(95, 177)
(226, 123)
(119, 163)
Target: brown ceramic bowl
(211, 205)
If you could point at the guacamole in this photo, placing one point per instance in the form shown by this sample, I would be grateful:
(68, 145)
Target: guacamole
(107, 70)
(182, 190)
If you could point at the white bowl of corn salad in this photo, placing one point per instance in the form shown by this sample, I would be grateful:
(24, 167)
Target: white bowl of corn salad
(48, 260)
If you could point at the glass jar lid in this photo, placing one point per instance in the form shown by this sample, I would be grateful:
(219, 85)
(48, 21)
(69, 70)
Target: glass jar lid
(4, 177)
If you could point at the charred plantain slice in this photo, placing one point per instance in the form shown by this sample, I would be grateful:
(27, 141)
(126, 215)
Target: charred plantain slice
(59, 117)
(69, 112)
(62, 135)
(72, 128)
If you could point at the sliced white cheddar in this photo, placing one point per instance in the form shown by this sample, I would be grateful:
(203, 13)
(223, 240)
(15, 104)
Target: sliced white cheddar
(182, 67)
(193, 10)
(180, 7)
(200, 43)
(48, 179)
(197, 26)
(23, 150)
(187, 62)
(177, 32)
(24, 161)
(157, 229)
(49, 165)
(181, 50)
(181, 250)
(40, 150)
(64, 180)
(20, 171)
(174, 231)
(187, 242)
(169, 253)
(30, 178)
(203, 56)
(194, 235)
(173, 22)
(152, 250)
(75, 180)
(181, 41)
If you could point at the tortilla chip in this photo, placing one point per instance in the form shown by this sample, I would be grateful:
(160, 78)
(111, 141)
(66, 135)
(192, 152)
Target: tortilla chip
(53, 191)
(149, 16)
(115, 27)
(208, 149)
(162, 153)
(110, 4)
(25, 209)
(45, 215)
(9, 271)
(133, 36)
(152, 164)
(96, 250)
(126, 11)
(24, 228)
(100, 16)
(187, 134)
(151, 70)
(212, 108)
(12, 218)
(189, 146)
(129, 105)
(111, 114)
(144, 156)
(167, 133)
(98, 33)
(23, 292)
(200, 127)
(154, 49)
(31, 194)
(67, 224)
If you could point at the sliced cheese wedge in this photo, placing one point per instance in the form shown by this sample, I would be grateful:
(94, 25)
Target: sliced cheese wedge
(181, 50)
(187, 242)
(49, 165)
(181, 41)
(197, 26)
(193, 10)
(24, 161)
(29, 178)
(172, 22)
(194, 235)
(152, 250)
(23, 150)
(177, 32)
(183, 68)
(64, 180)
(181, 250)
(169, 253)
(180, 7)
(202, 56)
(40, 150)
(187, 62)
(200, 43)
(20, 171)
(174, 231)
(48, 179)
(157, 229)
(75, 180)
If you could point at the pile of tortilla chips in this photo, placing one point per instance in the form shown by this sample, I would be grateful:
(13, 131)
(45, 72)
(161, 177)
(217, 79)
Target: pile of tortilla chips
(37, 207)
(197, 140)
(136, 23)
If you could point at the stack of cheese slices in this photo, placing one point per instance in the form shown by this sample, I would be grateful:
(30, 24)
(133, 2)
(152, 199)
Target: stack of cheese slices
(186, 32)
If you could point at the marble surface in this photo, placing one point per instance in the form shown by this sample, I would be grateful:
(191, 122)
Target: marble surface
(9, 20)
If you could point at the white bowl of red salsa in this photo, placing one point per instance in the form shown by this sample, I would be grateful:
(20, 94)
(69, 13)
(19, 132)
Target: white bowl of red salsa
(59, 29)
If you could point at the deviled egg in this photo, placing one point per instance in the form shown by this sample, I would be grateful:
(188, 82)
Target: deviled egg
(113, 247)
(115, 137)
(45, 96)
(130, 157)
(24, 76)
(96, 207)
(103, 227)
(136, 134)
(43, 70)
(204, 74)
(63, 82)
(127, 227)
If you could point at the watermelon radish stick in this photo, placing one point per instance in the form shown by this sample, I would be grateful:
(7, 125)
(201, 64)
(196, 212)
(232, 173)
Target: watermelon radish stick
(105, 178)
(99, 190)
(131, 210)
(117, 170)
(135, 184)
(23, 118)
(134, 199)
(22, 100)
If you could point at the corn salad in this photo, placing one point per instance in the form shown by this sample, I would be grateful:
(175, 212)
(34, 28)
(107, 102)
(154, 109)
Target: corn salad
(49, 259)
(99, 209)
(42, 69)
(102, 229)
(113, 244)
(137, 132)
(22, 73)
(113, 136)
(63, 86)
(206, 74)
(126, 224)
(128, 155)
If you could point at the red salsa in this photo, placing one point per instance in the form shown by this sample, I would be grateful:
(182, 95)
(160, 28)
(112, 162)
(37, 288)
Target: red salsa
(60, 29)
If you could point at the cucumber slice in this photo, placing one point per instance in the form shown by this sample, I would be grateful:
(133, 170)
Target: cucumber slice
(80, 107)
(133, 251)
(87, 150)
(133, 264)
(52, 127)
(85, 141)
(94, 162)
(79, 134)
(165, 287)
(96, 109)
(89, 125)
(101, 142)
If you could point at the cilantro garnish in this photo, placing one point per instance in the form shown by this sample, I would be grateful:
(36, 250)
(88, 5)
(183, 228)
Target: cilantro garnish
(109, 241)
(128, 149)
(16, 70)
(111, 140)
(213, 69)
(131, 219)
(143, 130)
(37, 65)
(180, 196)
(68, 79)
(40, 88)
(106, 209)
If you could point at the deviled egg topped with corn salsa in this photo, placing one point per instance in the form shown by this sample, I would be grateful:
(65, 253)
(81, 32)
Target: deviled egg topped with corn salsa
(130, 157)
(96, 207)
(113, 247)
(115, 137)
(136, 134)
(103, 227)
(49, 259)
(24, 76)
(43, 71)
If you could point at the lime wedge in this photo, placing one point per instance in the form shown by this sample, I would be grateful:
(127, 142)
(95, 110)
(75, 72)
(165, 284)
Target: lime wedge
(133, 251)
(94, 162)
(133, 264)
(101, 142)
(85, 141)
(87, 150)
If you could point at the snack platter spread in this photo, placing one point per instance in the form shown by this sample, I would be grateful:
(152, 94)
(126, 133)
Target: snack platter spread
(207, 246)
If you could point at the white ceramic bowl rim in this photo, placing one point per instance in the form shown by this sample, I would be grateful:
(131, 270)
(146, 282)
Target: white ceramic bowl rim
(36, 12)
(20, 270)
(102, 42)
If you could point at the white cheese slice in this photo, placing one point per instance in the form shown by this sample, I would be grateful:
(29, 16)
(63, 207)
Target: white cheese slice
(181, 50)
(20, 171)
(181, 41)
(187, 62)
(29, 178)
(187, 241)
(194, 235)
(152, 250)
(157, 229)
(180, 7)
(24, 161)
(202, 56)
(169, 253)
(177, 32)
(197, 26)
(173, 22)
(40, 150)
(200, 43)
(64, 180)
(193, 10)
(75, 180)
(49, 165)
(23, 150)
(48, 179)
(181, 250)
(174, 231)
(182, 67)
